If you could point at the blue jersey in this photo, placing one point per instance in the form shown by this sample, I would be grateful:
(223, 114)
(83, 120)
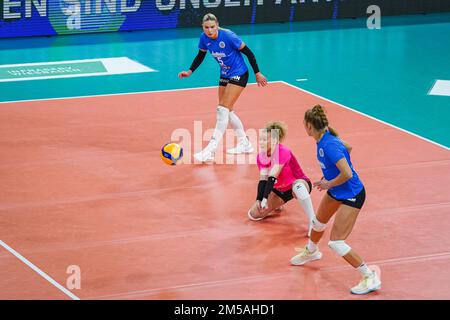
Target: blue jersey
(330, 150)
(225, 49)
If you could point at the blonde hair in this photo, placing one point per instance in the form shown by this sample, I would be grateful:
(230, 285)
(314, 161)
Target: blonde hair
(318, 119)
(280, 126)
(209, 17)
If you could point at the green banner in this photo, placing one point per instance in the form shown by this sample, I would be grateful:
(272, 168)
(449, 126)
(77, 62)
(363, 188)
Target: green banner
(51, 70)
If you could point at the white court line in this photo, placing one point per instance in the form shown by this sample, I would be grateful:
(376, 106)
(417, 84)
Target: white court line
(115, 94)
(366, 115)
(39, 271)
(124, 93)
(440, 88)
(253, 83)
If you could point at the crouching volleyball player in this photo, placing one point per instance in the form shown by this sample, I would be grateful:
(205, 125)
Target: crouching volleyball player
(345, 197)
(281, 177)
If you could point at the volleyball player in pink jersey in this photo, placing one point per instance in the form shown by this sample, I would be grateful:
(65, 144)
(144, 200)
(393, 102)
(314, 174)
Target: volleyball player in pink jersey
(281, 177)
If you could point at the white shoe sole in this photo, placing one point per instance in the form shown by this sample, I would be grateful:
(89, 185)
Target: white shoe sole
(318, 257)
(378, 287)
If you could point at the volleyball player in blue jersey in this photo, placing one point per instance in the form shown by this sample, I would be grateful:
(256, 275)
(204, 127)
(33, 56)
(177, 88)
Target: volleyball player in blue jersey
(345, 197)
(227, 48)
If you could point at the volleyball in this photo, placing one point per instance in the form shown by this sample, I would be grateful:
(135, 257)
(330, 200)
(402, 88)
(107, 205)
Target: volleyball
(171, 153)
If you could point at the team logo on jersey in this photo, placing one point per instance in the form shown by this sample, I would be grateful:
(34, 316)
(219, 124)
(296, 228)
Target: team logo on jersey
(218, 54)
(321, 152)
(322, 165)
(222, 44)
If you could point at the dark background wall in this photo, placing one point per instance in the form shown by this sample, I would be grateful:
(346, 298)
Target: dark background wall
(87, 16)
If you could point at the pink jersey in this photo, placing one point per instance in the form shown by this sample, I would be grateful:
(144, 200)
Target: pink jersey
(291, 170)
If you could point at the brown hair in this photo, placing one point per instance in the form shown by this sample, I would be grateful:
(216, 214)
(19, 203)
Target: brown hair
(280, 126)
(210, 17)
(318, 119)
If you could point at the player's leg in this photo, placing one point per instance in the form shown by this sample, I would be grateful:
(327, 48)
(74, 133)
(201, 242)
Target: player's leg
(222, 119)
(221, 91)
(233, 90)
(327, 208)
(301, 190)
(243, 145)
(343, 225)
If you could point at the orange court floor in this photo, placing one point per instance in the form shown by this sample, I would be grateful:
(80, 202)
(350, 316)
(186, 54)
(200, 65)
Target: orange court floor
(82, 184)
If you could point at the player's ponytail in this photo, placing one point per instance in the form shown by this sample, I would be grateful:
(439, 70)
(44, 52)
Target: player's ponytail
(279, 127)
(318, 119)
(333, 132)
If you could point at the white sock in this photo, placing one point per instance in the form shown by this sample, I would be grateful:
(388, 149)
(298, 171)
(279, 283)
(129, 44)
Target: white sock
(311, 246)
(222, 118)
(364, 269)
(304, 199)
(237, 125)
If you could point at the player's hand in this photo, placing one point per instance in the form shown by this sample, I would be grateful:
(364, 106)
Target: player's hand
(323, 184)
(261, 79)
(264, 204)
(184, 74)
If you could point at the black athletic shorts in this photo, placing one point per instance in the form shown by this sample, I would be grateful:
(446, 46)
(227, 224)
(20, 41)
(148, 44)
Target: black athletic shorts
(287, 195)
(356, 202)
(237, 80)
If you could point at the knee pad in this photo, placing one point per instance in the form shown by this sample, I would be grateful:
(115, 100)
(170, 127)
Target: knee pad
(222, 114)
(340, 247)
(317, 225)
(300, 190)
